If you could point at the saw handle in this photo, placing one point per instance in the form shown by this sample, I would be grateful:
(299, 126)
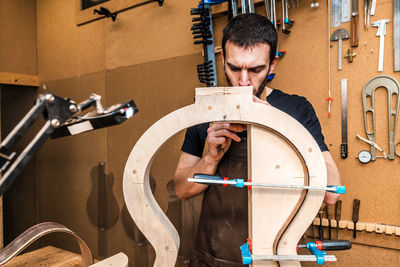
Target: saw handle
(354, 30)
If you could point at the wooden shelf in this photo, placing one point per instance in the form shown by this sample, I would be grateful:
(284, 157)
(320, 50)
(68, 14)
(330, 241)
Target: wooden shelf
(18, 79)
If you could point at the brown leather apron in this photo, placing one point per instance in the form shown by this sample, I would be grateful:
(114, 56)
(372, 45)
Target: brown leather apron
(223, 225)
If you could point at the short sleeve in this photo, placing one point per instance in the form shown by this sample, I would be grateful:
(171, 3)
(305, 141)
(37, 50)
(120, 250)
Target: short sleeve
(311, 123)
(195, 138)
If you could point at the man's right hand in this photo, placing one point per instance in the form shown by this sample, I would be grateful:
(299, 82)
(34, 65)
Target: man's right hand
(220, 136)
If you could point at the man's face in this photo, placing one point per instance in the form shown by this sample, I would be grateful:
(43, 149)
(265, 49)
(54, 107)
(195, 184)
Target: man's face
(248, 66)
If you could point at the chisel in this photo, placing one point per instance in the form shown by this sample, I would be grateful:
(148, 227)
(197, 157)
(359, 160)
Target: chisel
(338, 214)
(356, 209)
(329, 209)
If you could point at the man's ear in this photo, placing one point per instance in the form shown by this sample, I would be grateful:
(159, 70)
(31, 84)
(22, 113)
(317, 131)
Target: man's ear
(222, 58)
(273, 64)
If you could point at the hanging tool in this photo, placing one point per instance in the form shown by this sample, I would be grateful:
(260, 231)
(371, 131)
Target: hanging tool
(330, 245)
(356, 209)
(372, 144)
(354, 23)
(284, 16)
(381, 25)
(346, 10)
(202, 30)
(314, 3)
(212, 180)
(396, 34)
(373, 6)
(367, 6)
(321, 216)
(336, 13)
(344, 146)
(232, 9)
(247, 6)
(329, 98)
(288, 22)
(368, 91)
(338, 214)
(339, 35)
(350, 55)
(329, 210)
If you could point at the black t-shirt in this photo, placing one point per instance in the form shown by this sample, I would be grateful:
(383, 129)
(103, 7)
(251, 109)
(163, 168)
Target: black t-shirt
(296, 106)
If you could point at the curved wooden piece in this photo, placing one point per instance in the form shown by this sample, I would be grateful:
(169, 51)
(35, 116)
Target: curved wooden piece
(217, 104)
(36, 232)
(118, 260)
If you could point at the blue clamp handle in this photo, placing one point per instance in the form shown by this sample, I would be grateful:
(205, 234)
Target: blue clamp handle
(246, 256)
(320, 255)
(339, 189)
(239, 182)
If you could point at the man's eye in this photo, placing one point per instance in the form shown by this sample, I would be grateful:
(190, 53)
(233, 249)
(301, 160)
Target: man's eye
(235, 69)
(255, 70)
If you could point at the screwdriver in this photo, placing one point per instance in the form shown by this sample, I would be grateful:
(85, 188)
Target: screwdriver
(338, 214)
(330, 245)
(356, 208)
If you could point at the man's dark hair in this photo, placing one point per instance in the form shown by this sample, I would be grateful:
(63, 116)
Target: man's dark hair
(249, 30)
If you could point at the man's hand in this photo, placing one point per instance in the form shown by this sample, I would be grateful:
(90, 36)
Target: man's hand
(220, 136)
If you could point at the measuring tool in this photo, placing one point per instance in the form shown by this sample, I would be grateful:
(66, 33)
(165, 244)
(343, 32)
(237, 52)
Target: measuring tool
(368, 91)
(396, 34)
(338, 214)
(381, 25)
(339, 35)
(345, 11)
(336, 13)
(212, 179)
(344, 146)
(354, 23)
(356, 209)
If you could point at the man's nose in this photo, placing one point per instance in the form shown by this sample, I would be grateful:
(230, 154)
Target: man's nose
(244, 79)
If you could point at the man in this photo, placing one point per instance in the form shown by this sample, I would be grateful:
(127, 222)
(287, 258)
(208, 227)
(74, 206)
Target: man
(248, 52)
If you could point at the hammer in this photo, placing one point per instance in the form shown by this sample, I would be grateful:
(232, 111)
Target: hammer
(339, 35)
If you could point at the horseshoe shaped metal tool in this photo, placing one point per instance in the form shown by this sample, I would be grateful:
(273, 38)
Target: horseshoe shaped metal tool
(368, 91)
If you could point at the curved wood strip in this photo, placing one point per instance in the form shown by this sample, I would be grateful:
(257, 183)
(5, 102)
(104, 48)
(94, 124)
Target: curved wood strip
(36, 232)
(213, 104)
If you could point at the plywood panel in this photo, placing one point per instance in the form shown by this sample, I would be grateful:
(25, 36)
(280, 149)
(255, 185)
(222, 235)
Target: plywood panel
(18, 36)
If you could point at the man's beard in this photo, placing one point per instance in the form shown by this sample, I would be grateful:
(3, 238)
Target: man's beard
(258, 90)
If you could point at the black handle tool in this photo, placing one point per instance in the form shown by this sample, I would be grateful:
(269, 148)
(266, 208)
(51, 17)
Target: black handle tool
(356, 208)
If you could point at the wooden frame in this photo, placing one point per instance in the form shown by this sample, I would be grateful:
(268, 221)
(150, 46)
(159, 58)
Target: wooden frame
(231, 104)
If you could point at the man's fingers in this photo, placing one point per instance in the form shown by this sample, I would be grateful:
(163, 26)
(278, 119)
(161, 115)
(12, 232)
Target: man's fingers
(223, 133)
(234, 127)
